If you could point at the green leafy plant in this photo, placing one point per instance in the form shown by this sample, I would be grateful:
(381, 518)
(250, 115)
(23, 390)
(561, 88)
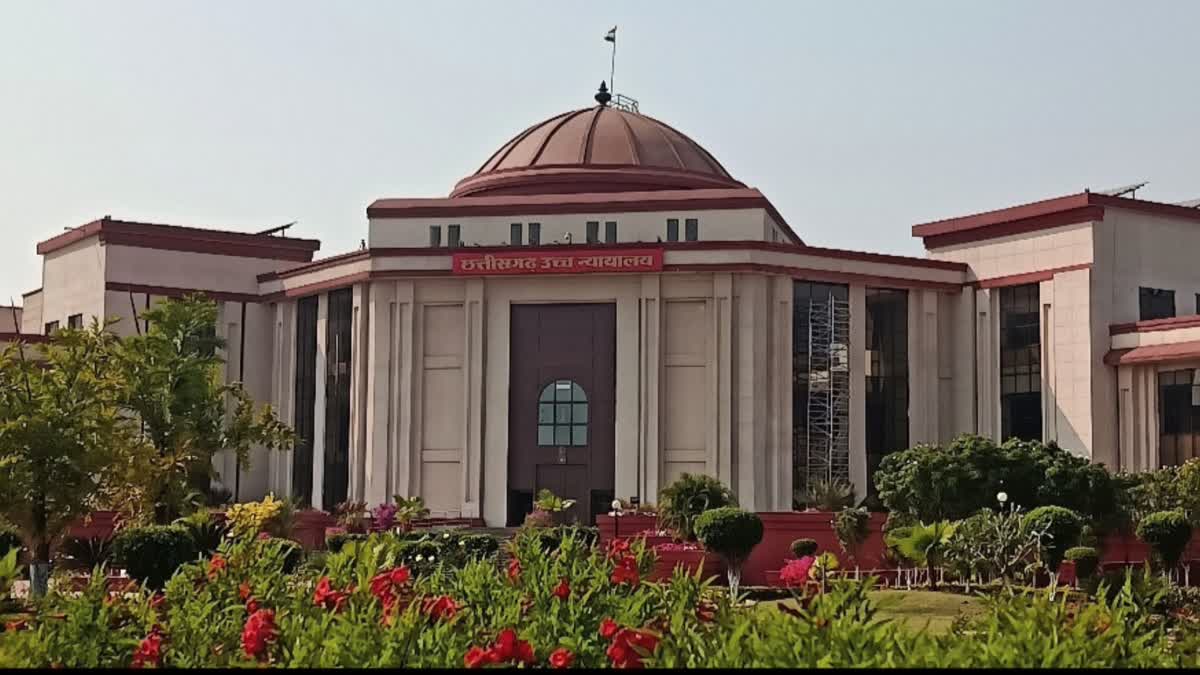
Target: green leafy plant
(926, 545)
(409, 509)
(10, 570)
(206, 531)
(1062, 528)
(10, 539)
(732, 534)
(852, 525)
(153, 553)
(1167, 533)
(681, 502)
(804, 547)
(352, 515)
(1086, 560)
(829, 495)
(85, 553)
(549, 502)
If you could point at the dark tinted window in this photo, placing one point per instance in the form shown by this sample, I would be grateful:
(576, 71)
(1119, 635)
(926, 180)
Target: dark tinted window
(1178, 417)
(306, 394)
(51, 327)
(610, 232)
(435, 236)
(593, 231)
(453, 236)
(75, 321)
(514, 234)
(887, 376)
(1020, 363)
(672, 229)
(1155, 303)
(535, 234)
(692, 229)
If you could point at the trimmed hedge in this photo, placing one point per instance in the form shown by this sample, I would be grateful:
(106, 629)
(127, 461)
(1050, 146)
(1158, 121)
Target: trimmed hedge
(729, 532)
(804, 547)
(1086, 559)
(1063, 527)
(1167, 533)
(152, 554)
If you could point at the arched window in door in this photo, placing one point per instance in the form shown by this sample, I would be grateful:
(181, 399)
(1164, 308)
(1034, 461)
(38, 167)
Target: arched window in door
(562, 414)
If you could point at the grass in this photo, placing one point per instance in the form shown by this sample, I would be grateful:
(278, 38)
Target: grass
(918, 610)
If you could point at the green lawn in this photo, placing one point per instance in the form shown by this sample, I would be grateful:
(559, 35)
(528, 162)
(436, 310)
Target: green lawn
(918, 610)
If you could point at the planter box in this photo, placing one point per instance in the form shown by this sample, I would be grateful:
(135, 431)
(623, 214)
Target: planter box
(667, 561)
(772, 577)
(308, 528)
(624, 526)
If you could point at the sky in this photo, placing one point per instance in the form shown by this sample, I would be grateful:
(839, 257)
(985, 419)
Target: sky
(856, 119)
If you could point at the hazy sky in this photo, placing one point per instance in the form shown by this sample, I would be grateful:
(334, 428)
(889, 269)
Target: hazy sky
(856, 119)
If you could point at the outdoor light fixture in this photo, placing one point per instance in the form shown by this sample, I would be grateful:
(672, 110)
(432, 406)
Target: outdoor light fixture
(1002, 497)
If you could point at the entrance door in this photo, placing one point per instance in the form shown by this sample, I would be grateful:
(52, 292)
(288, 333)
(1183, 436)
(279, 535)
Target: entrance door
(562, 384)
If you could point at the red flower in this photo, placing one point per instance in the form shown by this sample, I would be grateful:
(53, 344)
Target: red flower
(216, 566)
(618, 547)
(385, 585)
(244, 591)
(441, 607)
(561, 658)
(251, 606)
(509, 648)
(629, 647)
(262, 536)
(14, 626)
(626, 571)
(157, 601)
(325, 596)
(706, 611)
(562, 591)
(149, 651)
(514, 570)
(259, 632)
(608, 628)
(476, 657)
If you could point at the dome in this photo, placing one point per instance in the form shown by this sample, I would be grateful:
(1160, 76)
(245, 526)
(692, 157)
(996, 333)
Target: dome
(598, 149)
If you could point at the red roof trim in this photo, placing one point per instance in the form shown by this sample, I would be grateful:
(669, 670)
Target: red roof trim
(808, 274)
(191, 239)
(1155, 325)
(1027, 277)
(176, 292)
(735, 245)
(1179, 351)
(1067, 210)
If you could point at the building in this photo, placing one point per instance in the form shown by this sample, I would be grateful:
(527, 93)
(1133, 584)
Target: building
(602, 307)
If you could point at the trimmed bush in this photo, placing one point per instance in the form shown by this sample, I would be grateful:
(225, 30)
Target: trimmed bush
(1086, 560)
(1062, 527)
(1167, 533)
(152, 554)
(732, 534)
(804, 547)
(851, 526)
(682, 502)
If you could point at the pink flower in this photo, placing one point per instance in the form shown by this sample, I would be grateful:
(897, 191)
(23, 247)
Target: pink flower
(795, 572)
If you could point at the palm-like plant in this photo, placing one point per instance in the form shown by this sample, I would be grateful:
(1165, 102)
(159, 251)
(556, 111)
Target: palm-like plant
(681, 502)
(926, 545)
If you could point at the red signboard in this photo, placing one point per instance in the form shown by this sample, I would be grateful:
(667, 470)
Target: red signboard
(559, 262)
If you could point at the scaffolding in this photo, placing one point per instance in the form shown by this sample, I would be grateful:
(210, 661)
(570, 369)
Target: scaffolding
(827, 441)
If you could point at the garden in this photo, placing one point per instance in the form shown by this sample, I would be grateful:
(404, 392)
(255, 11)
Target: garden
(117, 551)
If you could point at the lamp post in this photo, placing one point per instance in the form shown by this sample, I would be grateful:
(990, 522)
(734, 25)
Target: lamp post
(616, 505)
(1002, 497)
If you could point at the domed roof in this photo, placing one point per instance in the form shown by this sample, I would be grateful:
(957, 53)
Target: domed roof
(598, 149)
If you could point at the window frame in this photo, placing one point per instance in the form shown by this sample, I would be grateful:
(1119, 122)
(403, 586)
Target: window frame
(453, 236)
(610, 231)
(592, 232)
(672, 229)
(535, 234)
(1152, 303)
(515, 234)
(75, 321)
(435, 236)
(691, 229)
(550, 418)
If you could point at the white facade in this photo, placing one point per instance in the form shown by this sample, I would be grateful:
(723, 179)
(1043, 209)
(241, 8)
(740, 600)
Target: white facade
(704, 373)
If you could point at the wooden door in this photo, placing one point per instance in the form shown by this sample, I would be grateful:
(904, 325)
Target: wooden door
(562, 383)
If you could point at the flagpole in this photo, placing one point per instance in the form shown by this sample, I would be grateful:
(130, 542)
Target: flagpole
(612, 73)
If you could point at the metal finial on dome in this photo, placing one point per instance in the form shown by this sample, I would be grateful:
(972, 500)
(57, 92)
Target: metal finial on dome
(602, 96)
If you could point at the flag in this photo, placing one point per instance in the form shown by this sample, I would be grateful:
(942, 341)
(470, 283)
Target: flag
(612, 35)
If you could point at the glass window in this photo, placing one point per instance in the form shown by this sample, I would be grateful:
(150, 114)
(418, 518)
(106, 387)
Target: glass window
(1178, 417)
(1198, 303)
(453, 236)
(562, 414)
(1155, 303)
(672, 229)
(75, 321)
(435, 236)
(304, 415)
(535, 234)
(593, 231)
(51, 327)
(692, 229)
(514, 234)
(1020, 363)
(887, 376)
(610, 232)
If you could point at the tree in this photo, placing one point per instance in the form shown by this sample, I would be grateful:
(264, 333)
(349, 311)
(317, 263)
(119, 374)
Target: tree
(173, 388)
(61, 432)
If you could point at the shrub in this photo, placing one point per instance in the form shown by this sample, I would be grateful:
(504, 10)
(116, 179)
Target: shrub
(270, 515)
(958, 479)
(1086, 559)
(1167, 533)
(85, 553)
(351, 515)
(852, 527)
(926, 545)
(293, 553)
(409, 509)
(152, 554)
(732, 534)
(1062, 527)
(206, 531)
(804, 547)
(681, 502)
